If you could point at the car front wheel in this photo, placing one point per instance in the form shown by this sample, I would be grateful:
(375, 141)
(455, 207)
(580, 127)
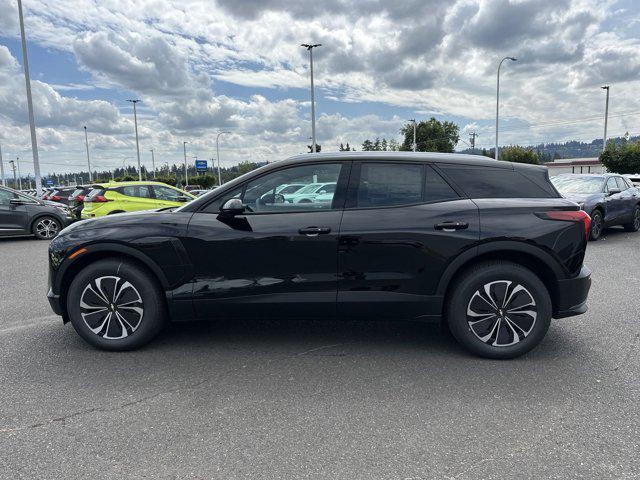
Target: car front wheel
(499, 310)
(597, 225)
(46, 228)
(634, 225)
(116, 305)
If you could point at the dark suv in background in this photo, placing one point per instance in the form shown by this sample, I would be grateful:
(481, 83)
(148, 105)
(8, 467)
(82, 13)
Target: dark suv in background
(22, 214)
(490, 247)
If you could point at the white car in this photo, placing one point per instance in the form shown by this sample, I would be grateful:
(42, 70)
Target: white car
(290, 188)
(310, 192)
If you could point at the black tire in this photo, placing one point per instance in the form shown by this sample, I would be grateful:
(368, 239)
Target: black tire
(597, 225)
(46, 227)
(135, 288)
(634, 225)
(506, 280)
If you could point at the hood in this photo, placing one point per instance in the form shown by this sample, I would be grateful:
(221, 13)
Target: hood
(119, 220)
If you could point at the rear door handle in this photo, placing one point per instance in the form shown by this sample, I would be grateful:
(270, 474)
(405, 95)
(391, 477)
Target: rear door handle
(314, 231)
(451, 226)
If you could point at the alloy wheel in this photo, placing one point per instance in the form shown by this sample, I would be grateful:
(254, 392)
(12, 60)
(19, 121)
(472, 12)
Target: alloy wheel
(596, 225)
(111, 307)
(636, 219)
(47, 228)
(501, 313)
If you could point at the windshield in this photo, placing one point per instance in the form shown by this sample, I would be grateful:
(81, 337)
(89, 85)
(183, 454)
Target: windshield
(567, 185)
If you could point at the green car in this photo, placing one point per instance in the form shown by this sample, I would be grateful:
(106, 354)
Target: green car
(119, 197)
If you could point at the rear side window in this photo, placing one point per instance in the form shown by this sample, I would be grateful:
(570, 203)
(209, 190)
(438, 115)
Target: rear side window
(435, 188)
(488, 182)
(140, 191)
(387, 184)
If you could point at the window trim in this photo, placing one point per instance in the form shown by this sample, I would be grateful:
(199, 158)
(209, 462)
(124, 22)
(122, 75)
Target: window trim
(339, 197)
(354, 183)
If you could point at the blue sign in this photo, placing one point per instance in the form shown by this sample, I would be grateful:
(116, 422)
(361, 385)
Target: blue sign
(49, 182)
(201, 165)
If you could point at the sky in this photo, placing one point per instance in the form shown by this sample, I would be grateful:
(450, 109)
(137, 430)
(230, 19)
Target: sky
(200, 67)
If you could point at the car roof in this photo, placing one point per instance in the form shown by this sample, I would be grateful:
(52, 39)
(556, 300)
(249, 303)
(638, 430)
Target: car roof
(589, 175)
(128, 184)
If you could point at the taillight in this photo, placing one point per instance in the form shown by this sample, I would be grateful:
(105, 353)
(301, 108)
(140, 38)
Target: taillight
(569, 216)
(45, 197)
(55, 198)
(100, 199)
(80, 198)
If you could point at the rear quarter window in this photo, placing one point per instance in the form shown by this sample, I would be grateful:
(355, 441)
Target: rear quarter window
(488, 182)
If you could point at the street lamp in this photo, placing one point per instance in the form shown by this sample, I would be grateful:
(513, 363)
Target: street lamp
(32, 122)
(19, 174)
(186, 175)
(86, 142)
(310, 48)
(218, 155)
(498, 100)
(13, 167)
(414, 144)
(153, 163)
(4, 182)
(606, 117)
(135, 121)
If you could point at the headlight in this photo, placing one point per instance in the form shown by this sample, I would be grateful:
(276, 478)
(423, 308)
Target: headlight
(64, 210)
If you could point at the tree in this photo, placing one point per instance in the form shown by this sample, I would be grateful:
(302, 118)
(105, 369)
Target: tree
(367, 146)
(431, 136)
(623, 158)
(519, 154)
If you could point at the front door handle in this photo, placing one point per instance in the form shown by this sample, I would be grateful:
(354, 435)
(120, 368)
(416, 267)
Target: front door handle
(451, 226)
(314, 231)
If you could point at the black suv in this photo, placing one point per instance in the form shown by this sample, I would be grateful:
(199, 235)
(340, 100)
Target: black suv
(490, 247)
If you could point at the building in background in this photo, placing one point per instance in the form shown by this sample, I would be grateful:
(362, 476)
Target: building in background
(575, 165)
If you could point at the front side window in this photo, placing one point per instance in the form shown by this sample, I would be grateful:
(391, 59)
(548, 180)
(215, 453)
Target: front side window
(621, 184)
(6, 196)
(166, 193)
(388, 184)
(611, 184)
(261, 195)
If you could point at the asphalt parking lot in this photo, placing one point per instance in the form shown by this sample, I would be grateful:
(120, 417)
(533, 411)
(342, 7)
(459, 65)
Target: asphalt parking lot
(332, 399)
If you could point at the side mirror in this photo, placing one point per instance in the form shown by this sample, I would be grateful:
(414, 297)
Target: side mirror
(613, 191)
(16, 201)
(233, 206)
(184, 198)
(322, 192)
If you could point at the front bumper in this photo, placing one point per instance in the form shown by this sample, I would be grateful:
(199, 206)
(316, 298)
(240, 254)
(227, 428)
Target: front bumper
(572, 295)
(55, 302)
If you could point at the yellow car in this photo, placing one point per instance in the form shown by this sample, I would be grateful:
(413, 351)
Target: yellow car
(119, 197)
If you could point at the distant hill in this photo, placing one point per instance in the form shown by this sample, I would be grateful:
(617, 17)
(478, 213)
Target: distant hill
(570, 149)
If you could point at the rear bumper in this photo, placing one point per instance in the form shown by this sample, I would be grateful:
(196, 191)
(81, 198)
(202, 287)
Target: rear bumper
(572, 295)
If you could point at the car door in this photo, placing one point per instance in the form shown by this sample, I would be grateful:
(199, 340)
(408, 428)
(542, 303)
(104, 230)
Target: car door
(275, 258)
(402, 225)
(629, 199)
(614, 201)
(137, 197)
(14, 219)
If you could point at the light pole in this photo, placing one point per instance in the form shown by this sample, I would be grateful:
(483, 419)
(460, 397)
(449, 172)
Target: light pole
(13, 167)
(606, 118)
(218, 156)
(498, 100)
(414, 145)
(19, 174)
(153, 163)
(4, 182)
(86, 142)
(186, 175)
(32, 122)
(135, 121)
(310, 48)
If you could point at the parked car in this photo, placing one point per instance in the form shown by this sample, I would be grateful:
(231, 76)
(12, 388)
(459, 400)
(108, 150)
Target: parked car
(308, 193)
(490, 247)
(199, 193)
(120, 197)
(634, 179)
(60, 194)
(608, 198)
(46, 192)
(76, 199)
(22, 214)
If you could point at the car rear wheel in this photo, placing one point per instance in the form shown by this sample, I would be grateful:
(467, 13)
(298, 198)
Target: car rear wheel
(116, 305)
(634, 225)
(597, 225)
(45, 228)
(499, 310)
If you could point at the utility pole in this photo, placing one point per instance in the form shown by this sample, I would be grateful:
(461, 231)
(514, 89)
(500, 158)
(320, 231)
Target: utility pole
(473, 136)
(15, 179)
(135, 121)
(606, 118)
(218, 155)
(414, 145)
(4, 182)
(32, 122)
(19, 174)
(186, 175)
(498, 100)
(86, 142)
(153, 163)
(310, 48)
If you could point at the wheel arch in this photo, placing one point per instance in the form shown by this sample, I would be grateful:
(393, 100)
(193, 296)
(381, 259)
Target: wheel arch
(40, 215)
(107, 251)
(522, 254)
